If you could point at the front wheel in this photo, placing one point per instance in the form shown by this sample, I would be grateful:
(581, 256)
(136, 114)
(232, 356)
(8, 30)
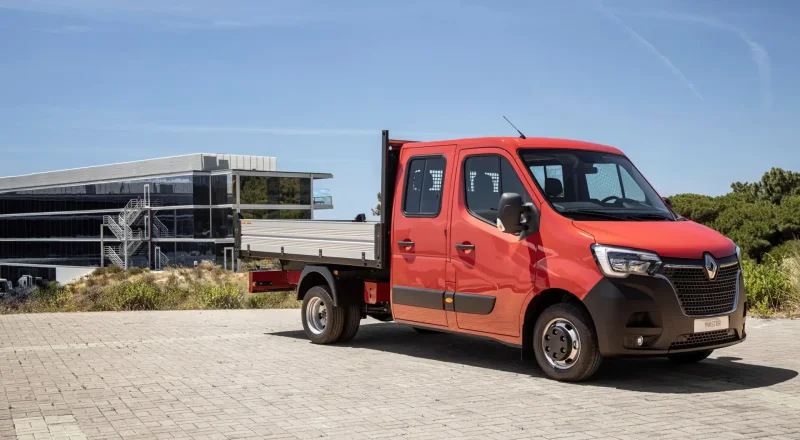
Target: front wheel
(691, 357)
(323, 322)
(565, 344)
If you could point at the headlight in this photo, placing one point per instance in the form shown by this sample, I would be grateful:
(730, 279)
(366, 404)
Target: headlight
(739, 253)
(621, 262)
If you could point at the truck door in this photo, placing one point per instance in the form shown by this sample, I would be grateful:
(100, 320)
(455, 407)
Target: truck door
(419, 234)
(493, 270)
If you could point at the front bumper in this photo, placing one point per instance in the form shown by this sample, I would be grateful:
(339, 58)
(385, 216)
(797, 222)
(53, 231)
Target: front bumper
(624, 309)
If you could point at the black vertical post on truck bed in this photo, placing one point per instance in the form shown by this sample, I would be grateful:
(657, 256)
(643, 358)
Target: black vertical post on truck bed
(390, 162)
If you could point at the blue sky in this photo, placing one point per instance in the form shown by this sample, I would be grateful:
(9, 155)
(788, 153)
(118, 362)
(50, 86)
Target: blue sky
(698, 94)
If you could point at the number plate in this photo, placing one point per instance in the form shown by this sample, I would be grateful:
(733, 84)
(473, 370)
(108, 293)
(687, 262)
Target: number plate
(711, 324)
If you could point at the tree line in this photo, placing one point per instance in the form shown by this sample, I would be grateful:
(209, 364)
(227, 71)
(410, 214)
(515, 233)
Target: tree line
(761, 217)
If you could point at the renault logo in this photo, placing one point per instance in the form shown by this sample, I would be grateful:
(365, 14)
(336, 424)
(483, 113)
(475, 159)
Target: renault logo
(711, 266)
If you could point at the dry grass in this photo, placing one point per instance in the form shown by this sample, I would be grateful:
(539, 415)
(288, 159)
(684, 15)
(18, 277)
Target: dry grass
(791, 267)
(112, 289)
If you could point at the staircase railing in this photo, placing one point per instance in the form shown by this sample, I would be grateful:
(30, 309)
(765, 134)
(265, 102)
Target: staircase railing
(130, 213)
(160, 230)
(162, 260)
(112, 255)
(132, 240)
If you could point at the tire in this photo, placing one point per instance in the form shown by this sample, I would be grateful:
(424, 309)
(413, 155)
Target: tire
(424, 331)
(569, 322)
(352, 321)
(691, 357)
(328, 329)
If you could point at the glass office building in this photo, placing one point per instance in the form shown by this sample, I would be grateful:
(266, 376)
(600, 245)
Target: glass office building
(175, 211)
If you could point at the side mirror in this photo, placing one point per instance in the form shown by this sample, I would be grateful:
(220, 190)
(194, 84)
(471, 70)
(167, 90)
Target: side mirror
(513, 216)
(667, 201)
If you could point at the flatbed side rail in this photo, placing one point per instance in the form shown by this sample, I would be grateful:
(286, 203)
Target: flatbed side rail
(314, 241)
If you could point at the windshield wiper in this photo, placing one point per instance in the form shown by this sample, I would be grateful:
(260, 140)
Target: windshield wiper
(652, 217)
(598, 214)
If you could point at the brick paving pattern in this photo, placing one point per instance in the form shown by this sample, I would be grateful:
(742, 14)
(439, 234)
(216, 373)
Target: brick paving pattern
(251, 374)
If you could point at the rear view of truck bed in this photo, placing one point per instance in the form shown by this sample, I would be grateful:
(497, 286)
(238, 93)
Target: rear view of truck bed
(313, 241)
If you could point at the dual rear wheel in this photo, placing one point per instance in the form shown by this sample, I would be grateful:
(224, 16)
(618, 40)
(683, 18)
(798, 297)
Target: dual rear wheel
(326, 323)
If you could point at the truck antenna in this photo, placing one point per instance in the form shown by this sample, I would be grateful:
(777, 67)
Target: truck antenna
(521, 136)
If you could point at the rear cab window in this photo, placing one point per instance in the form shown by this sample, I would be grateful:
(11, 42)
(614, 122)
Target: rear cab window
(422, 194)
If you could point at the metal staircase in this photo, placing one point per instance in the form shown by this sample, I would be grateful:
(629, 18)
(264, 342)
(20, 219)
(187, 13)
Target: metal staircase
(132, 241)
(160, 230)
(161, 260)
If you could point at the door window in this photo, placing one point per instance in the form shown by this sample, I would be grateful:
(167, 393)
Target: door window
(486, 178)
(423, 187)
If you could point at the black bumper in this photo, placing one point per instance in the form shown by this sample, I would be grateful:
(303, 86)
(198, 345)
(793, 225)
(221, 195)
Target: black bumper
(624, 309)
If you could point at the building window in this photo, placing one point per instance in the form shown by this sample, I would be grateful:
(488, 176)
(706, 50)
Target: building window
(222, 189)
(201, 186)
(258, 190)
(202, 223)
(184, 223)
(222, 222)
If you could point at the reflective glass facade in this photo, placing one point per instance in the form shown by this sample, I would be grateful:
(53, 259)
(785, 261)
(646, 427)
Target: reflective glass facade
(62, 225)
(263, 190)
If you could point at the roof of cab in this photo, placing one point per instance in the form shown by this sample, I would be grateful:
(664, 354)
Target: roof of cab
(514, 143)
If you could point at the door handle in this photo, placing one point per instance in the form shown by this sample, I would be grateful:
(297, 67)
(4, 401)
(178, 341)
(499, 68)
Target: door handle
(465, 247)
(405, 243)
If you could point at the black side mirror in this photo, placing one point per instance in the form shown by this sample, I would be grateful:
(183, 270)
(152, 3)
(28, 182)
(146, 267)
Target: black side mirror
(513, 216)
(667, 201)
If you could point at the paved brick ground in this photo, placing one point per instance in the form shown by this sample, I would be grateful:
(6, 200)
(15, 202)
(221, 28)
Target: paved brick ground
(251, 374)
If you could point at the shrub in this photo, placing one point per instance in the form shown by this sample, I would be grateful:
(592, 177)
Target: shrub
(273, 300)
(137, 271)
(768, 287)
(137, 296)
(221, 296)
(113, 269)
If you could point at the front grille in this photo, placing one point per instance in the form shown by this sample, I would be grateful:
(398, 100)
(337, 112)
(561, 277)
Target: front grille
(700, 296)
(696, 340)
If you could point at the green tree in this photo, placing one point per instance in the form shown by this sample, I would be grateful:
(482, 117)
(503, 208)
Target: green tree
(758, 216)
(377, 209)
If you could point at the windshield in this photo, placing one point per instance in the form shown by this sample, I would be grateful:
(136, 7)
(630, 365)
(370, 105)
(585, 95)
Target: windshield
(592, 185)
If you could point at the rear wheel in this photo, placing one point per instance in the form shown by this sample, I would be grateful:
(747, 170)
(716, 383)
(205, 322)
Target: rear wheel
(323, 322)
(690, 357)
(352, 321)
(565, 344)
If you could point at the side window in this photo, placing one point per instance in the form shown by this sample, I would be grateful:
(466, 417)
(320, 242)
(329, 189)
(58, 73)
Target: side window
(423, 188)
(486, 178)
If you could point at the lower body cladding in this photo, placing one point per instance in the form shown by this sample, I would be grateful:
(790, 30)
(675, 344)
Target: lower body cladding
(441, 300)
(643, 316)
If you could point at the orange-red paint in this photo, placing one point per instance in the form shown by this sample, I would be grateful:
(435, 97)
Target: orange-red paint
(514, 271)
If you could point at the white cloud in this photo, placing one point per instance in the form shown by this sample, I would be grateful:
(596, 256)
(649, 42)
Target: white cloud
(652, 49)
(758, 53)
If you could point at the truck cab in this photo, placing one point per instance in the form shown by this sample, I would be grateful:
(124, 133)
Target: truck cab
(559, 247)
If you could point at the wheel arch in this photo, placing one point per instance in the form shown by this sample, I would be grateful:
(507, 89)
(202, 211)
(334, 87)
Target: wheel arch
(316, 276)
(537, 305)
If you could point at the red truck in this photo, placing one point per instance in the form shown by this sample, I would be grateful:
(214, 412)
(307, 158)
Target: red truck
(558, 247)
